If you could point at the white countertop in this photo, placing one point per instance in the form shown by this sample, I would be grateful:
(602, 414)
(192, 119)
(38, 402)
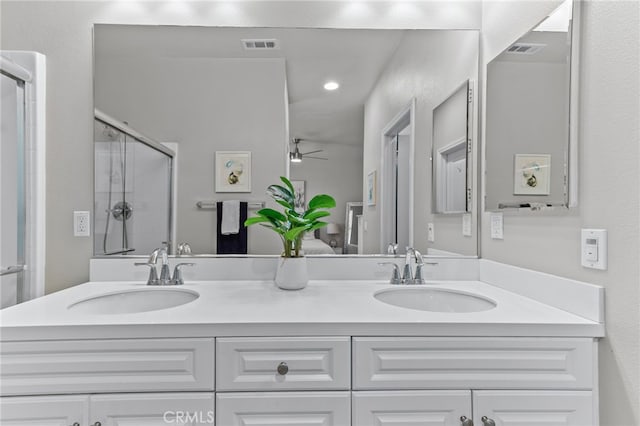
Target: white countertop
(258, 308)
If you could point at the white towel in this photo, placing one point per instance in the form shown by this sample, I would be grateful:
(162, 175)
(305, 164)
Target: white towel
(230, 217)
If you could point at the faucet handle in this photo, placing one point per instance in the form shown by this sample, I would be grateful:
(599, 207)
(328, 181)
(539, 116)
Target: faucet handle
(395, 274)
(153, 274)
(177, 273)
(418, 278)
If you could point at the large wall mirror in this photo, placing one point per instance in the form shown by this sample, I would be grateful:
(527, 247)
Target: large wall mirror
(531, 138)
(255, 96)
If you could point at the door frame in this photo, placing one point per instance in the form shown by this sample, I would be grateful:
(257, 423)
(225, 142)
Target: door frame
(405, 117)
(30, 67)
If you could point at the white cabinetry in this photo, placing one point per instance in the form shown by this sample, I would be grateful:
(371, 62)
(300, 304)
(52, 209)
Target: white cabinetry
(329, 381)
(144, 409)
(44, 410)
(283, 408)
(532, 408)
(400, 408)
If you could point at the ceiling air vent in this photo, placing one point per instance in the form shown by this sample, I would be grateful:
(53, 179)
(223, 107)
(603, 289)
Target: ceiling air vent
(260, 44)
(525, 48)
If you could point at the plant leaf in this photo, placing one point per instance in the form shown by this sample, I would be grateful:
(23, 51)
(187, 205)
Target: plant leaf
(278, 192)
(272, 214)
(315, 214)
(255, 219)
(293, 233)
(288, 183)
(322, 201)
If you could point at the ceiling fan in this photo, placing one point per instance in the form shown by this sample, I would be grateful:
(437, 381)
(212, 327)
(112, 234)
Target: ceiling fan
(296, 156)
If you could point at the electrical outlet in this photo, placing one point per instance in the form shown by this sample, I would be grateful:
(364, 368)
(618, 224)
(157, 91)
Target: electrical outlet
(81, 224)
(431, 236)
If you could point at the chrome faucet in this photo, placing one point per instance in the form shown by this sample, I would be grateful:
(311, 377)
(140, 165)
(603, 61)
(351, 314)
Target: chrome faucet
(165, 273)
(407, 276)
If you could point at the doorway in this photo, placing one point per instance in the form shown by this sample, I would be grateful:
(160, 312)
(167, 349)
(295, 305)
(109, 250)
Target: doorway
(397, 185)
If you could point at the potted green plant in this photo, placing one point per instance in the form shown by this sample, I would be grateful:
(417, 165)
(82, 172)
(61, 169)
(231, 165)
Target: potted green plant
(291, 225)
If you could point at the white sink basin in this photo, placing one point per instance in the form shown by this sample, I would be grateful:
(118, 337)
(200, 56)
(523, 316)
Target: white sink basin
(135, 301)
(435, 300)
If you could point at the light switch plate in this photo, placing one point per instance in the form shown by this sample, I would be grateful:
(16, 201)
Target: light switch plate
(593, 248)
(466, 225)
(431, 236)
(497, 226)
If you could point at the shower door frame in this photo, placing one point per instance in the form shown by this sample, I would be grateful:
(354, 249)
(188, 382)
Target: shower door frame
(30, 69)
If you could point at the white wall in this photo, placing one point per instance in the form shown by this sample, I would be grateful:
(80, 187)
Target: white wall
(428, 68)
(340, 176)
(609, 181)
(207, 105)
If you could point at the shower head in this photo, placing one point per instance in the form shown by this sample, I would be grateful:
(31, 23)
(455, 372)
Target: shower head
(110, 132)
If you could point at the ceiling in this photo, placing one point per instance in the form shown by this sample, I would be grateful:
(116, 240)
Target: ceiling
(354, 58)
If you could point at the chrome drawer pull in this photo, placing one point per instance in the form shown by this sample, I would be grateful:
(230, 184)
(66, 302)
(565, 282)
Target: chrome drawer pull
(486, 421)
(464, 421)
(283, 368)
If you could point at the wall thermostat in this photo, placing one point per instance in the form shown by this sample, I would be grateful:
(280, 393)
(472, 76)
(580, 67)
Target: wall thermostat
(594, 248)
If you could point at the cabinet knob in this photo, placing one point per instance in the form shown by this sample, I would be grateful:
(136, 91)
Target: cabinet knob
(283, 368)
(464, 421)
(486, 421)
(97, 424)
(75, 424)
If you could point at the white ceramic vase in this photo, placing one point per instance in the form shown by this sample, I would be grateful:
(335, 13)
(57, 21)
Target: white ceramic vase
(291, 273)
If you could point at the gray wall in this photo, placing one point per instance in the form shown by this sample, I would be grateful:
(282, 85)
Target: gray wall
(429, 70)
(206, 105)
(609, 180)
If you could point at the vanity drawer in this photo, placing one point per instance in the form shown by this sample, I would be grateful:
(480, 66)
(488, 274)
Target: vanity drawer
(283, 408)
(79, 366)
(287, 363)
(463, 363)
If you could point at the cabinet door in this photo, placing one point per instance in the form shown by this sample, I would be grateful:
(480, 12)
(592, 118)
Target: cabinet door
(283, 408)
(44, 411)
(403, 408)
(162, 409)
(534, 408)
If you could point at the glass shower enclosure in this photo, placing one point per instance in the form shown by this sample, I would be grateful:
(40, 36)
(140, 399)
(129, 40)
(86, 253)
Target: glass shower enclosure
(12, 190)
(133, 194)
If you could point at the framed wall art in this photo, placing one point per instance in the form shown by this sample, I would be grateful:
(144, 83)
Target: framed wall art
(300, 200)
(233, 171)
(371, 188)
(532, 174)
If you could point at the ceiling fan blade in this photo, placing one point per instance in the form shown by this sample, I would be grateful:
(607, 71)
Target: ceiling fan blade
(316, 158)
(311, 152)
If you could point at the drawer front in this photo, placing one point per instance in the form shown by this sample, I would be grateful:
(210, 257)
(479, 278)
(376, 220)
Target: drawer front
(411, 408)
(76, 366)
(463, 363)
(284, 408)
(283, 363)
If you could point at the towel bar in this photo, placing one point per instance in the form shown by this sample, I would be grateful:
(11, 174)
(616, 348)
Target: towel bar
(211, 205)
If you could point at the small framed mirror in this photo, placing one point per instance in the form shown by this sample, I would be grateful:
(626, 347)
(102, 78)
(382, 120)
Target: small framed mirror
(451, 150)
(531, 117)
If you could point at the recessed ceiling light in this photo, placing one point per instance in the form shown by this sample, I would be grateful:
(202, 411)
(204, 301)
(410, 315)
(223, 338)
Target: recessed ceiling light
(331, 85)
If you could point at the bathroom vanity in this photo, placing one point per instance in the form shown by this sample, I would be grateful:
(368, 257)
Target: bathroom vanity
(245, 352)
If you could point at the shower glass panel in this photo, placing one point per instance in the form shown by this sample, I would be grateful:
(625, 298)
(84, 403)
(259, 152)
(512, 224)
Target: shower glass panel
(12, 191)
(132, 194)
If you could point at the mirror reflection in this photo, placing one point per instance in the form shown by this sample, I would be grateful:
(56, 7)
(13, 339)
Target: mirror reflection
(528, 118)
(239, 107)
